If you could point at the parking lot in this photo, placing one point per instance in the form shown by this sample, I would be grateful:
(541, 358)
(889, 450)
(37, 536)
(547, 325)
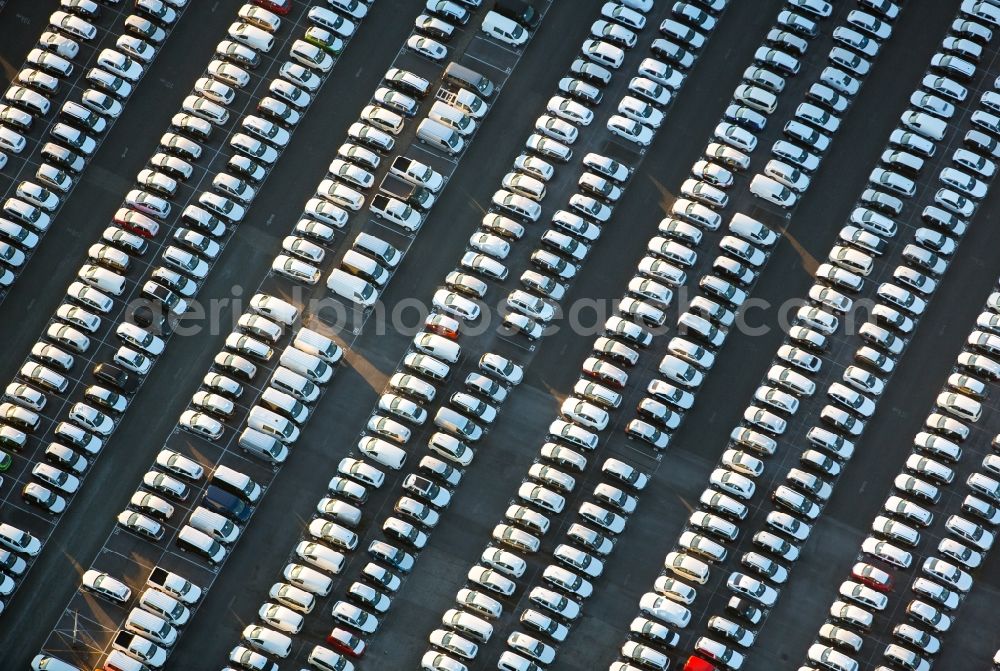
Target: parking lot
(81, 629)
(110, 26)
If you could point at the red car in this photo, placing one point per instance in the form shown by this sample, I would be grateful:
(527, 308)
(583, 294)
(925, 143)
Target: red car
(698, 664)
(872, 576)
(442, 325)
(137, 222)
(345, 642)
(277, 6)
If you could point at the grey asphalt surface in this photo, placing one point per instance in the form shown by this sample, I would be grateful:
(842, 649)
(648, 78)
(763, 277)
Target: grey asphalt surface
(499, 467)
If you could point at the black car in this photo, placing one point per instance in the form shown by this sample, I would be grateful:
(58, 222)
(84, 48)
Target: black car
(435, 27)
(882, 201)
(222, 502)
(163, 296)
(744, 609)
(518, 10)
(116, 377)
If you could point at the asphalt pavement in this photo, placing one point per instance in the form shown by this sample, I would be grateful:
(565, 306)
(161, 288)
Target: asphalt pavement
(513, 441)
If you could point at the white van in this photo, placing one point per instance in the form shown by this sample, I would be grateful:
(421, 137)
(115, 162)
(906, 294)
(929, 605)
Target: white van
(672, 251)
(365, 267)
(752, 230)
(119, 661)
(466, 623)
(506, 30)
(237, 482)
(314, 343)
(252, 36)
(459, 75)
(452, 117)
(163, 605)
(286, 404)
(924, 124)
(457, 424)
(193, 540)
(151, 626)
(450, 448)
(440, 136)
(352, 288)
(383, 452)
(274, 308)
(272, 424)
(470, 103)
(427, 366)
(214, 524)
(772, 191)
(102, 279)
(385, 253)
(292, 383)
(437, 346)
(306, 364)
(263, 446)
(339, 511)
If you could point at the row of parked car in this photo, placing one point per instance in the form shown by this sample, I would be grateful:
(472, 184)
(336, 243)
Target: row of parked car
(931, 466)
(573, 231)
(743, 254)
(406, 193)
(320, 555)
(408, 392)
(898, 529)
(186, 263)
(90, 421)
(799, 501)
(284, 404)
(925, 470)
(809, 134)
(544, 493)
(407, 396)
(272, 425)
(28, 212)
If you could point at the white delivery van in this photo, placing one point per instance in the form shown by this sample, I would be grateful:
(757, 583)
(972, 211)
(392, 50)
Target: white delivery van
(272, 424)
(440, 136)
(306, 364)
(214, 524)
(314, 343)
(237, 482)
(263, 446)
(352, 288)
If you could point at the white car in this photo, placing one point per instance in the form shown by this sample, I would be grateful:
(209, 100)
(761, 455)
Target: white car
(631, 130)
(640, 111)
(92, 419)
(202, 424)
(427, 47)
(267, 640)
(119, 64)
(570, 110)
(179, 464)
(754, 589)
